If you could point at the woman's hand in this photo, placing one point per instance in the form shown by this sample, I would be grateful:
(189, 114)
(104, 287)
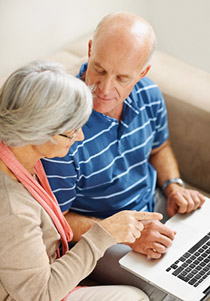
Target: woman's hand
(126, 226)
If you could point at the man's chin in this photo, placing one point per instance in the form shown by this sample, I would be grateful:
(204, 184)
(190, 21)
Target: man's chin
(101, 99)
(101, 107)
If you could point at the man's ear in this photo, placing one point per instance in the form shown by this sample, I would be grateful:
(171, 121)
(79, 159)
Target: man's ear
(145, 71)
(89, 47)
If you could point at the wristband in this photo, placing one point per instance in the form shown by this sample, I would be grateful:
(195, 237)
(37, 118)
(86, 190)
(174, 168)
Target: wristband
(178, 181)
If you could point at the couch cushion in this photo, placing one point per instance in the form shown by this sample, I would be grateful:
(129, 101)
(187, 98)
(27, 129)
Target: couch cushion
(182, 80)
(186, 90)
(79, 47)
(66, 58)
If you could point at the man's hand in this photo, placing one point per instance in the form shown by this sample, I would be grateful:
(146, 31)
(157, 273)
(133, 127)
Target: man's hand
(183, 200)
(179, 199)
(126, 226)
(155, 239)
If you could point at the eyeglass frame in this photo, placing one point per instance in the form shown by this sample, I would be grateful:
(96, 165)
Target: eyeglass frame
(72, 137)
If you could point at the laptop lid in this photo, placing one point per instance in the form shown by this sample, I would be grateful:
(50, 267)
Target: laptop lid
(190, 228)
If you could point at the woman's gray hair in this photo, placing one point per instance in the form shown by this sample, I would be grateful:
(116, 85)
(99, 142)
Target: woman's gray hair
(40, 100)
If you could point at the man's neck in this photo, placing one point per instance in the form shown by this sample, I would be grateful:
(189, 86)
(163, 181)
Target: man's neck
(115, 114)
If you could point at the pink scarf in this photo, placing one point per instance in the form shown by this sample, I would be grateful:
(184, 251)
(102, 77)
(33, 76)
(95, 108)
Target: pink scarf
(42, 193)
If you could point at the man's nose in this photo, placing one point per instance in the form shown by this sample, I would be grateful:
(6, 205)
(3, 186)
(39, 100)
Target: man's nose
(106, 85)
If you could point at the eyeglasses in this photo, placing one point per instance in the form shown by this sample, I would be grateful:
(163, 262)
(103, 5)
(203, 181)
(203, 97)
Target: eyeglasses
(70, 137)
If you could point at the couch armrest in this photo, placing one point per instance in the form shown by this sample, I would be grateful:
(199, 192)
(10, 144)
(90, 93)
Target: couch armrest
(187, 94)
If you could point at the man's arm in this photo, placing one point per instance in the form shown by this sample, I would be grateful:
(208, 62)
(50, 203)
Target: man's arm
(79, 223)
(156, 238)
(163, 160)
(125, 226)
(179, 199)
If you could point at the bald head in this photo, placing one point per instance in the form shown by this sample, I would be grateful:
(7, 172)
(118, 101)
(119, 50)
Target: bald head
(127, 30)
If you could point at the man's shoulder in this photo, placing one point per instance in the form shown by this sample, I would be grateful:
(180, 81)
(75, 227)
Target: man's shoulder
(146, 89)
(82, 71)
(146, 83)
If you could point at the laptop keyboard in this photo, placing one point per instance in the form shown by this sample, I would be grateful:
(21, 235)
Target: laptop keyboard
(193, 267)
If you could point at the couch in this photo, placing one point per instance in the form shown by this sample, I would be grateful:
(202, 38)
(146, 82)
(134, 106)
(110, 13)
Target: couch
(186, 90)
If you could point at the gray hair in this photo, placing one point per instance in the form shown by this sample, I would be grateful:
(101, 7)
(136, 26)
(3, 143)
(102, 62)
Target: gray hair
(40, 100)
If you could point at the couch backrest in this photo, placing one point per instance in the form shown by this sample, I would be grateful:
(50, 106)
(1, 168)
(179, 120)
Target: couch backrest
(187, 94)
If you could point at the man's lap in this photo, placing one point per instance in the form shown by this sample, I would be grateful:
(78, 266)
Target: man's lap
(160, 204)
(109, 271)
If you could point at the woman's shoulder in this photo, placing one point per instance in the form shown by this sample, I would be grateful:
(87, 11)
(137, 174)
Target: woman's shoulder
(15, 199)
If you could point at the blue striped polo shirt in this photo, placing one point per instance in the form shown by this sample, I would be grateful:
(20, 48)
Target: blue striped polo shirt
(110, 170)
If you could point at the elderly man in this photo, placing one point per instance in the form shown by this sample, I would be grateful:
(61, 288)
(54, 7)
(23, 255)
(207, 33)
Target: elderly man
(126, 152)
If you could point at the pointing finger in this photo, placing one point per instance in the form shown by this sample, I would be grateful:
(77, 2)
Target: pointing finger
(147, 215)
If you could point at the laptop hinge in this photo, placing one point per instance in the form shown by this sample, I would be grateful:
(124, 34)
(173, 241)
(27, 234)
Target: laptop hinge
(207, 294)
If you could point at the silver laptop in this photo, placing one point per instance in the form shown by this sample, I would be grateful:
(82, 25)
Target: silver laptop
(184, 271)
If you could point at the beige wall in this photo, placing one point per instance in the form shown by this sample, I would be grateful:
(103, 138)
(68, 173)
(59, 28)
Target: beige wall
(30, 29)
(183, 29)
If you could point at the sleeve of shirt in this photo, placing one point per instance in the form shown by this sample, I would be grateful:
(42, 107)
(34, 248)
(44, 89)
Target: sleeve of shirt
(151, 97)
(25, 269)
(161, 124)
(62, 176)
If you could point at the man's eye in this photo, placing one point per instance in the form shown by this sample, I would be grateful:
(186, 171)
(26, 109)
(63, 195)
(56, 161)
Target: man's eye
(99, 71)
(123, 79)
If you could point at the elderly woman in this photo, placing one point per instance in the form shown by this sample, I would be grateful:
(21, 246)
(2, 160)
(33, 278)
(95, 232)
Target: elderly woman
(42, 110)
